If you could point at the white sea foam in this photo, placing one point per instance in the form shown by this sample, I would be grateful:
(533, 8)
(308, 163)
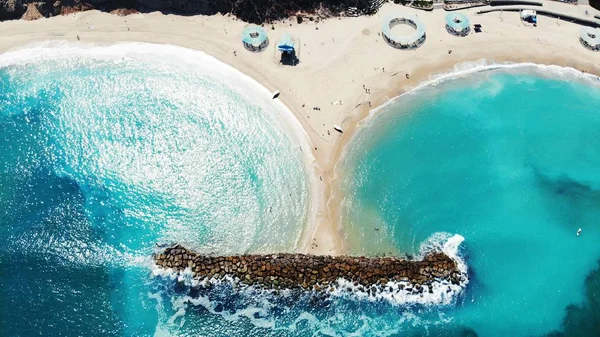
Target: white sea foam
(195, 60)
(257, 313)
(258, 305)
(62, 53)
(440, 292)
(448, 244)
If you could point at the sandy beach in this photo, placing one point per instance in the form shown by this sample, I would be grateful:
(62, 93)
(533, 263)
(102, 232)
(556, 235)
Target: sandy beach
(340, 58)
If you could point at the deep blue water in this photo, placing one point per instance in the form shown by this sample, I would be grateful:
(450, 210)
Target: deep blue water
(509, 160)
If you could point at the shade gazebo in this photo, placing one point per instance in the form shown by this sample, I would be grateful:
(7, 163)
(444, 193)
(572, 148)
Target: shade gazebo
(255, 38)
(286, 43)
(287, 47)
(403, 41)
(458, 24)
(590, 38)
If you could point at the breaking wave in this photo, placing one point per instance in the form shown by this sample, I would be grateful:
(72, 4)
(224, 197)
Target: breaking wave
(290, 310)
(106, 151)
(466, 69)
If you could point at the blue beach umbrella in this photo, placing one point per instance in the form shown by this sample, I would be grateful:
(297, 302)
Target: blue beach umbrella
(286, 44)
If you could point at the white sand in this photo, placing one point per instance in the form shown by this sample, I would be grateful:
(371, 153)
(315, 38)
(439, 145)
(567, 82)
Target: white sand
(336, 61)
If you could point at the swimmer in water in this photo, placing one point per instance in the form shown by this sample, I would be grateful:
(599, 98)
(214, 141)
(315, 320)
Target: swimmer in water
(578, 231)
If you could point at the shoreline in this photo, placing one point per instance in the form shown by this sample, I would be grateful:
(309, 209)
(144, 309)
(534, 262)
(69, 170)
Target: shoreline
(336, 198)
(252, 91)
(327, 50)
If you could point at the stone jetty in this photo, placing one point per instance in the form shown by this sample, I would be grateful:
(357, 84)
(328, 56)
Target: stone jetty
(297, 271)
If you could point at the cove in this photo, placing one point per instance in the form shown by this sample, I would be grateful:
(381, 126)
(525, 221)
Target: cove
(506, 158)
(106, 152)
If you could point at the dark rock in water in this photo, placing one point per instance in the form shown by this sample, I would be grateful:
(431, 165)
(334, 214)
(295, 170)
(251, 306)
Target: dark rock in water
(583, 319)
(310, 272)
(194, 292)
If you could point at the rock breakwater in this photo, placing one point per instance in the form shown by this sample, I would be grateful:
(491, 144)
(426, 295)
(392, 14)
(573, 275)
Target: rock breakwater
(312, 272)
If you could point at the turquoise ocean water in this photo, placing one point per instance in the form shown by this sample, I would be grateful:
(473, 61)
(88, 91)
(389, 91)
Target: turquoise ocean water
(106, 152)
(509, 160)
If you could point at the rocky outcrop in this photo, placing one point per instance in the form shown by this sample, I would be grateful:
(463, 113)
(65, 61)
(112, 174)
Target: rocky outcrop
(11, 9)
(32, 13)
(310, 271)
(255, 11)
(124, 11)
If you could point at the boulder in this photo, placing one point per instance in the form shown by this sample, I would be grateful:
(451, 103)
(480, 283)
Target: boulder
(32, 13)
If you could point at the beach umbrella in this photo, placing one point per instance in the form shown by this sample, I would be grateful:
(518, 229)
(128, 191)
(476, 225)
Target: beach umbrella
(286, 44)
